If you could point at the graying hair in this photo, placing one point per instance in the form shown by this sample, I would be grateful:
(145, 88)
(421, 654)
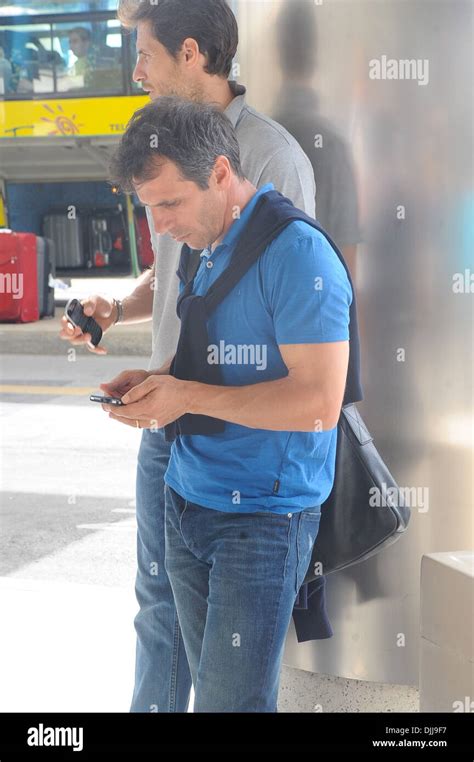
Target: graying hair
(191, 135)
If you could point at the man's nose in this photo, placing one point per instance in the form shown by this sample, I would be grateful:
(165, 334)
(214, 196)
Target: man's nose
(138, 74)
(161, 221)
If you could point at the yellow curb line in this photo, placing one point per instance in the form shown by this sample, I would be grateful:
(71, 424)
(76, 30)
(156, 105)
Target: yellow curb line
(71, 391)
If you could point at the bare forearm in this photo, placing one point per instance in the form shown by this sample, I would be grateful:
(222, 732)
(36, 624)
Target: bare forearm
(282, 405)
(138, 306)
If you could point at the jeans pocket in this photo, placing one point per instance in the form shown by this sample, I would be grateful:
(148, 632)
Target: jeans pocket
(281, 519)
(184, 510)
(177, 504)
(308, 528)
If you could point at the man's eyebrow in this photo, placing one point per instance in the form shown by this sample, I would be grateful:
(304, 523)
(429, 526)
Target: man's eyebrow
(163, 203)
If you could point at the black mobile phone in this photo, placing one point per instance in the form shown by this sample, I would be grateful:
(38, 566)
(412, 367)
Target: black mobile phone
(106, 400)
(75, 314)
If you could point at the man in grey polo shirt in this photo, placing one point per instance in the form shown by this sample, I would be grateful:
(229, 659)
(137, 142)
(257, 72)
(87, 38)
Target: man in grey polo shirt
(268, 154)
(196, 67)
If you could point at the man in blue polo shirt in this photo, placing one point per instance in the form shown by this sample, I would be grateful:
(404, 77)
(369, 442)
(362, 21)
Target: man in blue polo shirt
(243, 504)
(276, 303)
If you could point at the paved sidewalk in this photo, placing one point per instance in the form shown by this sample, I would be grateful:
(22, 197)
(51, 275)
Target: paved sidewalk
(42, 337)
(71, 648)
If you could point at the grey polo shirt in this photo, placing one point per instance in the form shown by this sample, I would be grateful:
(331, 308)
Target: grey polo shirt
(268, 154)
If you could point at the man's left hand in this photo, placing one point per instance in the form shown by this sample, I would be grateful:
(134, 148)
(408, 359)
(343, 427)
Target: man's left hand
(157, 401)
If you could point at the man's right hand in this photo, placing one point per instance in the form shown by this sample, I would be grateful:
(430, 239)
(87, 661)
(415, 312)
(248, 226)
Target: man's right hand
(102, 310)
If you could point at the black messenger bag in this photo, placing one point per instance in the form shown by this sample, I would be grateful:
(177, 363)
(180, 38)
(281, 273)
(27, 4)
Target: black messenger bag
(359, 518)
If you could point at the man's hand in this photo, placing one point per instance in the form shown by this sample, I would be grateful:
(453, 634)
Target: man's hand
(122, 383)
(102, 310)
(155, 402)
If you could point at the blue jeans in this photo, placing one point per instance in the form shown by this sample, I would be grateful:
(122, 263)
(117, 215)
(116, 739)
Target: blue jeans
(235, 578)
(162, 676)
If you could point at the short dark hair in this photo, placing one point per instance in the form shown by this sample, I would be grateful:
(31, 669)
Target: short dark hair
(190, 134)
(210, 22)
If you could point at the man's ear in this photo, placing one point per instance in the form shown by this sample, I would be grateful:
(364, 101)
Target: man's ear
(190, 52)
(222, 172)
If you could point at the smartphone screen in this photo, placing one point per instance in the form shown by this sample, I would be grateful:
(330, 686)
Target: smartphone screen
(106, 400)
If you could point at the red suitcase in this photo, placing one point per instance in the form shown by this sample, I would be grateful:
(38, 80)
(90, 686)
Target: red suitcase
(18, 277)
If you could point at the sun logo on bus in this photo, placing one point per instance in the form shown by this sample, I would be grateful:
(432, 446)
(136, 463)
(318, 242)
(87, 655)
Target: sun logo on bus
(64, 125)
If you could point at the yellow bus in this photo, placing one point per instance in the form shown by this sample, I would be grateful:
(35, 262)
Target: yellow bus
(66, 95)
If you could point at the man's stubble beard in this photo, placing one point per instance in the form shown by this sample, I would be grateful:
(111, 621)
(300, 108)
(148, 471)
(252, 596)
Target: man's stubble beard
(188, 92)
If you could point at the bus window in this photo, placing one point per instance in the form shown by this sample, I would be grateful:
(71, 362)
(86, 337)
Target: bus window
(132, 35)
(5, 73)
(93, 55)
(50, 58)
(30, 59)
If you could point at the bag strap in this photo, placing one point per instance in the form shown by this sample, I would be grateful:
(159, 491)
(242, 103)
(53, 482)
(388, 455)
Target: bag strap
(354, 420)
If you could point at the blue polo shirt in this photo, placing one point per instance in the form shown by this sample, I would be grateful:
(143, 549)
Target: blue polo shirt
(297, 292)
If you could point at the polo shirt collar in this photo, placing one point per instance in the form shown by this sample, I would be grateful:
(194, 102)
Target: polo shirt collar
(234, 109)
(237, 226)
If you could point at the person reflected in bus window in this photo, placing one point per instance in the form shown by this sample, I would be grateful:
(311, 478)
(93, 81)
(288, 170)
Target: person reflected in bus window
(80, 43)
(5, 73)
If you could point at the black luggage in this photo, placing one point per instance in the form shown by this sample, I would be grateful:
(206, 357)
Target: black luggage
(45, 251)
(108, 239)
(100, 241)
